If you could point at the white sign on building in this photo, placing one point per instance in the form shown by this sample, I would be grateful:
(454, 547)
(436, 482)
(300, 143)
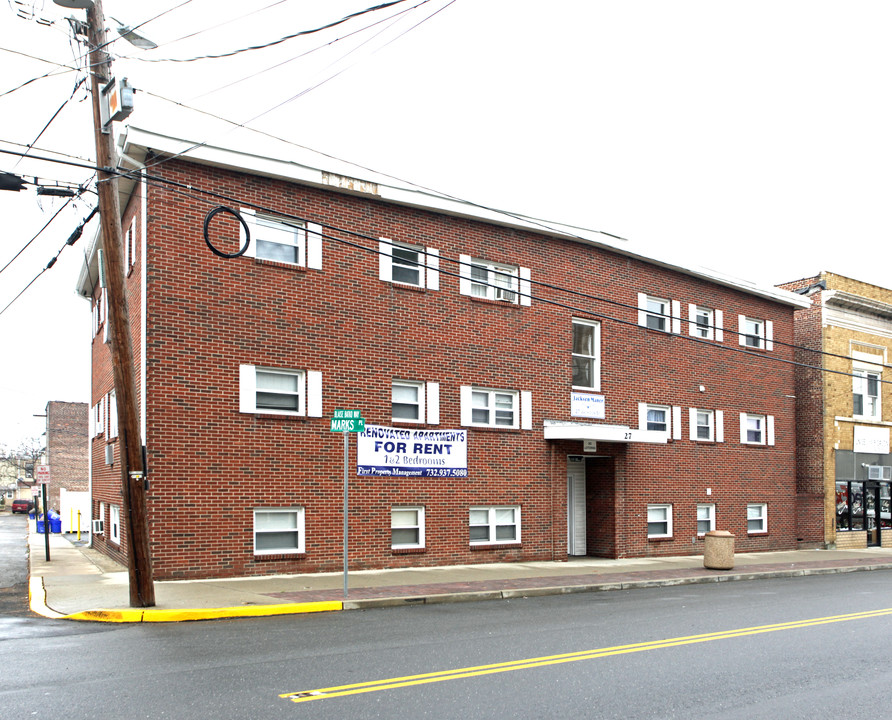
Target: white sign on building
(403, 452)
(873, 440)
(586, 405)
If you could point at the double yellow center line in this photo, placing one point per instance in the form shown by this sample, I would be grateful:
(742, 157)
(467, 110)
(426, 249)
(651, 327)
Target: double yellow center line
(479, 670)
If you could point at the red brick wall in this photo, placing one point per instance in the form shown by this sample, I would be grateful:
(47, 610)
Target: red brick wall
(66, 446)
(211, 465)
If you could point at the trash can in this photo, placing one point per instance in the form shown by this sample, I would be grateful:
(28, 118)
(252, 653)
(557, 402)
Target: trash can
(55, 523)
(718, 550)
(40, 525)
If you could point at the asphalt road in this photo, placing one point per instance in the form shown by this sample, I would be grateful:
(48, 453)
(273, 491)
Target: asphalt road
(696, 651)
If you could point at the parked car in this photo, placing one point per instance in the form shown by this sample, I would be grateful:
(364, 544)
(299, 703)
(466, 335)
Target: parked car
(22, 506)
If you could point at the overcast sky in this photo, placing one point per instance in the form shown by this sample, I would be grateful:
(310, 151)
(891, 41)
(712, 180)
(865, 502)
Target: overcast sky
(751, 138)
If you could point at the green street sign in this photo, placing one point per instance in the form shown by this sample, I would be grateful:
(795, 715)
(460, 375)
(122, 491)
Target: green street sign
(347, 421)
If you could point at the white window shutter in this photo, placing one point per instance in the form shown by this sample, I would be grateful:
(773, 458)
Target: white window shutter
(692, 423)
(465, 401)
(525, 287)
(642, 416)
(676, 422)
(526, 410)
(692, 321)
(769, 429)
(743, 427)
(314, 246)
(642, 306)
(385, 260)
(432, 393)
(247, 389)
(676, 317)
(314, 393)
(741, 325)
(250, 218)
(719, 426)
(433, 269)
(769, 335)
(719, 326)
(464, 274)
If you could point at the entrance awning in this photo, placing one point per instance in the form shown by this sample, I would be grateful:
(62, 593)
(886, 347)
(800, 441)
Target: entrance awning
(560, 430)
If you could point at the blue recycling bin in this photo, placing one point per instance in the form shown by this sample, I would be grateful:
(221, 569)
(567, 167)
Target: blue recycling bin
(40, 529)
(55, 523)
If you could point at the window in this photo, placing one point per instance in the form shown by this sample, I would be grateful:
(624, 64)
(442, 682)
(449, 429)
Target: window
(756, 334)
(407, 527)
(408, 264)
(493, 408)
(278, 530)
(657, 317)
(114, 521)
(705, 519)
(757, 518)
(280, 392)
(130, 246)
(494, 281)
(412, 401)
(491, 525)
(112, 415)
(703, 425)
(659, 521)
(586, 352)
(658, 419)
(866, 394)
(756, 429)
(705, 322)
(407, 401)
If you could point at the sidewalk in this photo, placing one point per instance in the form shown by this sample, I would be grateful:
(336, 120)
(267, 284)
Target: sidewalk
(82, 584)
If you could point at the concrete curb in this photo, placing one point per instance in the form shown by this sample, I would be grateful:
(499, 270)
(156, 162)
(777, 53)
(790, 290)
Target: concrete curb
(37, 594)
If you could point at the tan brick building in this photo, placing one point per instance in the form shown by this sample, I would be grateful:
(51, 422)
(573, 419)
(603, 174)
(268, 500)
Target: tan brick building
(67, 446)
(844, 421)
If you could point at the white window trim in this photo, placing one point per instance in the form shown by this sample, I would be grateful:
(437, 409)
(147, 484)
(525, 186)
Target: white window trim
(111, 427)
(596, 358)
(717, 431)
(114, 522)
(673, 419)
(660, 506)
(130, 246)
(301, 539)
(766, 337)
(428, 264)
(404, 546)
(715, 331)
(763, 516)
(860, 373)
(420, 387)
(309, 239)
(309, 389)
(492, 510)
(711, 508)
(767, 429)
(520, 286)
(523, 408)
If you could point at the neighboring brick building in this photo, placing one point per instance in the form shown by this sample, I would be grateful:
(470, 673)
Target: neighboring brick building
(67, 454)
(530, 391)
(844, 465)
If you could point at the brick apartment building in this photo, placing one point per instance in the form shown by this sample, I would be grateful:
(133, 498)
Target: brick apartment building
(844, 465)
(67, 454)
(530, 391)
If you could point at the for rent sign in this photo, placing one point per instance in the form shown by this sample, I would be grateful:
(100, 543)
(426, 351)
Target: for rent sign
(402, 452)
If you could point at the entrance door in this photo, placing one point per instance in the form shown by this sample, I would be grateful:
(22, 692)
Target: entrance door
(873, 504)
(576, 506)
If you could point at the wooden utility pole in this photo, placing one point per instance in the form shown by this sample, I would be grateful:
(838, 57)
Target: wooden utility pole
(139, 561)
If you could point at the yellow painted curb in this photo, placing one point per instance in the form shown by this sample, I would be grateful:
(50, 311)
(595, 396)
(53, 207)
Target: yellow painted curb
(182, 615)
(37, 599)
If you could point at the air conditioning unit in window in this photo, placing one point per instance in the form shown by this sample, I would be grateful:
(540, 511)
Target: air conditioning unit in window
(879, 472)
(109, 454)
(505, 294)
(98, 527)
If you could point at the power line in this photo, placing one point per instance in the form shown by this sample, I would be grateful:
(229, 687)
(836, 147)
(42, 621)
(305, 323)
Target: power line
(50, 121)
(280, 40)
(190, 191)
